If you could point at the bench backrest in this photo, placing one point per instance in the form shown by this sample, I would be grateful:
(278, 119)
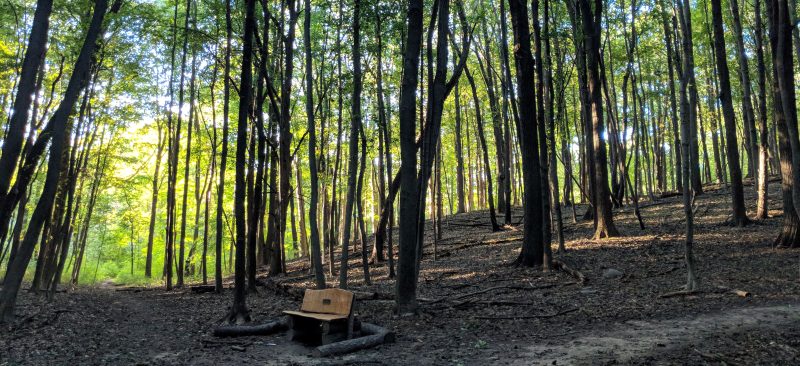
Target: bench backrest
(328, 301)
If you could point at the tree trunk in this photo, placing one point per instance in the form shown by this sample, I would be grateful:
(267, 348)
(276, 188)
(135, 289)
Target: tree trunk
(687, 44)
(748, 114)
(59, 132)
(532, 253)
(737, 189)
(406, 298)
(239, 313)
(762, 204)
(459, 155)
(604, 222)
(223, 161)
(34, 57)
(484, 148)
(785, 114)
(148, 269)
(355, 127)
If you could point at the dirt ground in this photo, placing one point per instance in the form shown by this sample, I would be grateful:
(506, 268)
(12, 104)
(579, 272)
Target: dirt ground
(477, 309)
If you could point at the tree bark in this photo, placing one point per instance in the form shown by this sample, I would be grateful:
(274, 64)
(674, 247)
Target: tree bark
(239, 313)
(406, 298)
(532, 253)
(762, 203)
(737, 189)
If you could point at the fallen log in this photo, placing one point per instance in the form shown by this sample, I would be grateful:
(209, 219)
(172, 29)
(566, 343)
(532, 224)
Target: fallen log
(373, 335)
(560, 265)
(251, 330)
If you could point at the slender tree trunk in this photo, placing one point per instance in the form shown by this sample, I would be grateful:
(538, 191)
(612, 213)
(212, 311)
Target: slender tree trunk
(316, 256)
(762, 204)
(148, 268)
(748, 114)
(687, 44)
(223, 162)
(673, 107)
(484, 148)
(737, 189)
(355, 127)
(285, 140)
(459, 155)
(239, 312)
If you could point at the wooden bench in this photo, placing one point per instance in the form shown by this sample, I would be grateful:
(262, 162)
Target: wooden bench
(326, 316)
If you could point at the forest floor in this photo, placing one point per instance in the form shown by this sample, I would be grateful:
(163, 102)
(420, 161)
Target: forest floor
(477, 308)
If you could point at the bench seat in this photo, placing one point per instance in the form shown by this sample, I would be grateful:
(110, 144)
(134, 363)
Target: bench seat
(318, 316)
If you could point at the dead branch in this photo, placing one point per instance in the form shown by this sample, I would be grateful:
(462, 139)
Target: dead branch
(561, 265)
(250, 330)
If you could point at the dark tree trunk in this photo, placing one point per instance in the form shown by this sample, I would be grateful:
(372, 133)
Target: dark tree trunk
(406, 298)
(355, 127)
(285, 132)
(533, 236)
(34, 57)
(748, 114)
(737, 189)
(59, 133)
(785, 117)
(459, 155)
(239, 312)
(148, 268)
(604, 222)
(687, 44)
(223, 161)
(484, 148)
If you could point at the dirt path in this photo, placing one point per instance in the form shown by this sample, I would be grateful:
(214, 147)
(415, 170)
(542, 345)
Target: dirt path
(637, 341)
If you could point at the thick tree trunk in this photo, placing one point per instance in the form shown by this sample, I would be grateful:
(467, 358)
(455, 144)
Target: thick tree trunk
(604, 222)
(406, 298)
(785, 107)
(532, 253)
